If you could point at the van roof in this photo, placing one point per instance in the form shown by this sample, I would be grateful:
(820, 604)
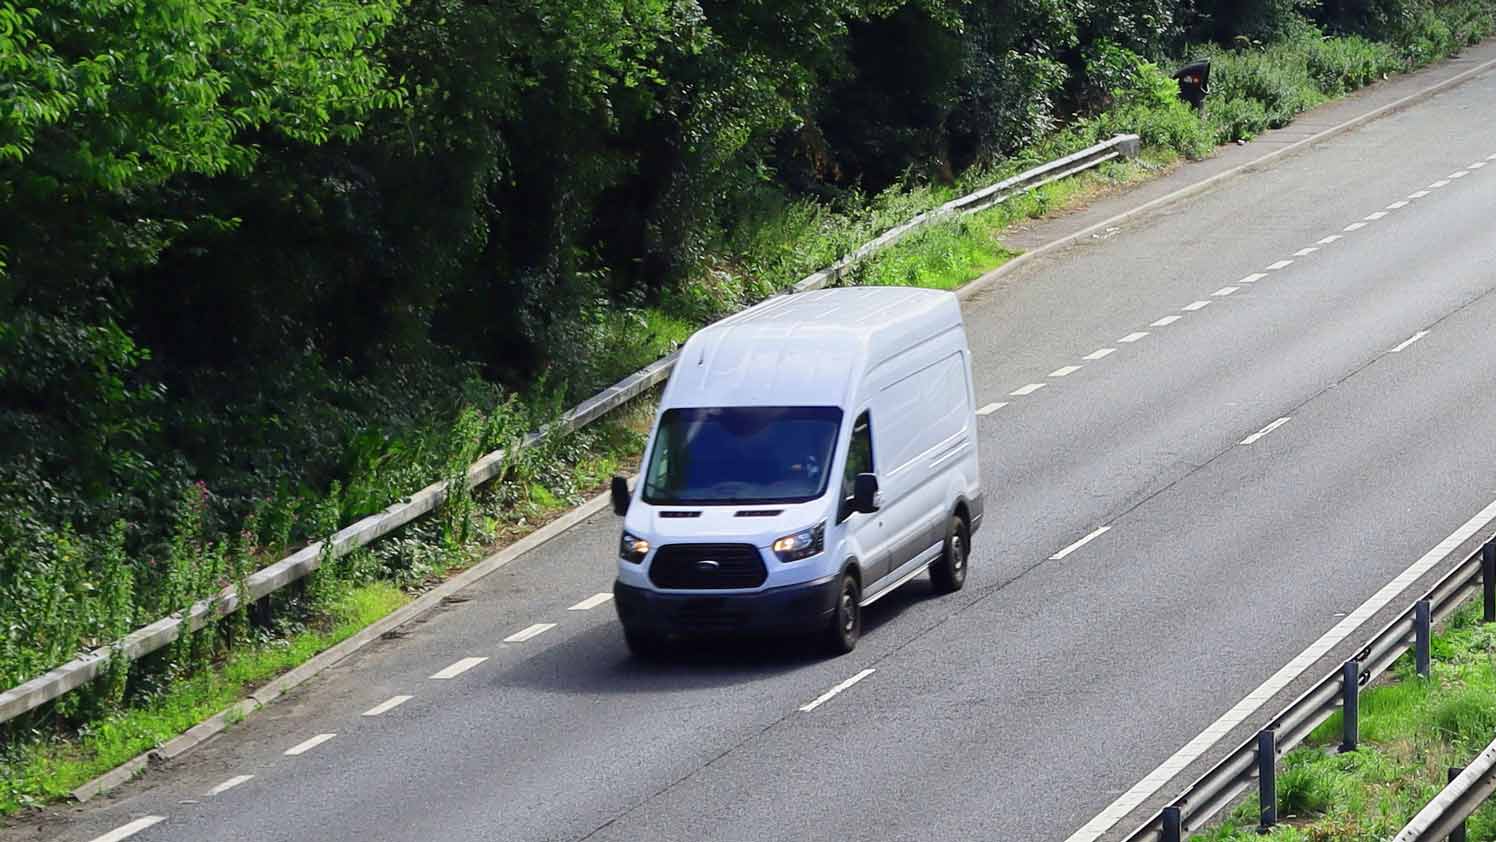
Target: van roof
(807, 349)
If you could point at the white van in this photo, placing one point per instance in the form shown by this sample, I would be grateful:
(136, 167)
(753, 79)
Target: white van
(811, 454)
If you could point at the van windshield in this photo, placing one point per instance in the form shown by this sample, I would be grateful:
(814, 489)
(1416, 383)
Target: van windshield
(736, 455)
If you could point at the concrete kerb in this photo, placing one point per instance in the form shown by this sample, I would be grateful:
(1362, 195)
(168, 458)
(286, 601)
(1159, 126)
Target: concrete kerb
(983, 283)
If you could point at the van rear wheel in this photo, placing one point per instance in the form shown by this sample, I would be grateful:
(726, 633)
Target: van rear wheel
(846, 621)
(949, 572)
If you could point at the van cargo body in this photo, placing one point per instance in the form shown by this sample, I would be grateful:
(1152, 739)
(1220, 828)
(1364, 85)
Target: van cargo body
(810, 455)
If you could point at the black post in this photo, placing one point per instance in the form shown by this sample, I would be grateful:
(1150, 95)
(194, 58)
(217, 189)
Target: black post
(1267, 780)
(1350, 705)
(1173, 825)
(1488, 579)
(1422, 620)
(1458, 834)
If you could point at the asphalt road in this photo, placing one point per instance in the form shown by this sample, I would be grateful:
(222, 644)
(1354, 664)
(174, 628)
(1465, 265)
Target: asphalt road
(1020, 707)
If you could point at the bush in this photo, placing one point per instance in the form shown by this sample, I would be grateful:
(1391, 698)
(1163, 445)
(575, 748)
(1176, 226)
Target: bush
(1237, 119)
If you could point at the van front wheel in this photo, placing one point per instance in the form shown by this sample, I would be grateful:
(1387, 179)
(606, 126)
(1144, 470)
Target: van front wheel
(949, 572)
(846, 620)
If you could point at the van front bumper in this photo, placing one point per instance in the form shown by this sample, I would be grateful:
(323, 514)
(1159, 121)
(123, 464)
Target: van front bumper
(790, 609)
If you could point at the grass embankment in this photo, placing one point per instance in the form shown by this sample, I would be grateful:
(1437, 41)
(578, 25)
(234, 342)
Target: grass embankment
(1413, 730)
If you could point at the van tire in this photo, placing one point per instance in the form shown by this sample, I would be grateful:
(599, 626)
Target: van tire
(845, 626)
(949, 572)
(644, 645)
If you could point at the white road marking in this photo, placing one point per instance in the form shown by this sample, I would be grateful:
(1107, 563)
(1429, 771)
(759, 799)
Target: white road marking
(1409, 341)
(1252, 439)
(1096, 533)
(1224, 291)
(458, 668)
(831, 694)
(1491, 157)
(1282, 264)
(1355, 226)
(530, 631)
(1418, 194)
(1305, 252)
(591, 602)
(1443, 182)
(1134, 336)
(387, 705)
(1026, 390)
(1477, 165)
(1064, 371)
(230, 784)
(991, 408)
(1166, 321)
(126, 831)
(307, 745)
(1252, 278)
(1099, 353)
(1197, 305)
(1373, 217)
(1460, 174)
(1149, 786)
(1398, 205)
(1330, 239)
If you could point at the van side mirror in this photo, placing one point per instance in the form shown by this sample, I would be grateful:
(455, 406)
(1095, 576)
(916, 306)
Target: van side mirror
(865, 496)
(621, 496)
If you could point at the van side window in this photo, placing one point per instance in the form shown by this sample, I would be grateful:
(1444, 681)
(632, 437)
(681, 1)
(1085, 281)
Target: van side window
(859, 461)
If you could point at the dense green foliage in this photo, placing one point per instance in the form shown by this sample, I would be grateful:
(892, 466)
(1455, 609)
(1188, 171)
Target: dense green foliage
(266, 265)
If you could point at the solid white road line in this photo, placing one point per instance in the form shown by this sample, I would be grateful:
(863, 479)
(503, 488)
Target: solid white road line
(1081, 543)
(1355, 226)
(1133, 337)
(387, 705)
(1418, 194)
(591, 602)
(458, 668)
(1282, 264)
(1252, 278)
(1330, 239)
(1166, 321)
(130, 829)
(1409, 341)
(307, 745)
(1196, 305)
(1305, 252)
(991, 408)
(1099, 353)
(230, 784)
(1224, 291)
(1398, 205)
(830, 694)
(531, 631)
(1149, 786)
(1252, 439)
(1026, 390)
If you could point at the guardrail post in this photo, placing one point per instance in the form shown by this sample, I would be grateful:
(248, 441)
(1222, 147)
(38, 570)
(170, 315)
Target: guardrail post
(1350, 705)
(1422, 620)
(1173, 825)
(1267, 780)
(1458, 834)
(1488, 579)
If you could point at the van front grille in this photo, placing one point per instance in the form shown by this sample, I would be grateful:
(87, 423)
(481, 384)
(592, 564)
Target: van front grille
(707, 567)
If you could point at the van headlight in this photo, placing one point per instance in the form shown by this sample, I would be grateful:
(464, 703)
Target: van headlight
(632, 548)
(802, 544)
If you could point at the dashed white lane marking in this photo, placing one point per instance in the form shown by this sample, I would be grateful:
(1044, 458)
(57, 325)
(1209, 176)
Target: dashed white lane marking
(1409, 341)
(1417, 194)
(1096, 533)
(1305, 252)
(126, 831)
(1443, 182)
(1252, 439)
(1026, 390)
(1196, 305)
(1099, 353)
(1355, 226)
(1373, 217)
(387, 705)
(991, 408)
(307, 745)
(1282, 264)
(1166, 321)
(1134, 336)
(1460, 174)
(1491, 157)
(1064, 371)
(1151, 784)
(1398, 205)
(528, 632)
(230, 784)
(1252, 278)
(1224, 291)
(591, 602)
(831, 694)
(458, 668)
(1477, 165)
(1330, 239)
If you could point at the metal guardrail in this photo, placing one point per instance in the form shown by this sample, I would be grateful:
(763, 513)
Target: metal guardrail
(1256, 759)
(1444, 817)
(80, 671)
